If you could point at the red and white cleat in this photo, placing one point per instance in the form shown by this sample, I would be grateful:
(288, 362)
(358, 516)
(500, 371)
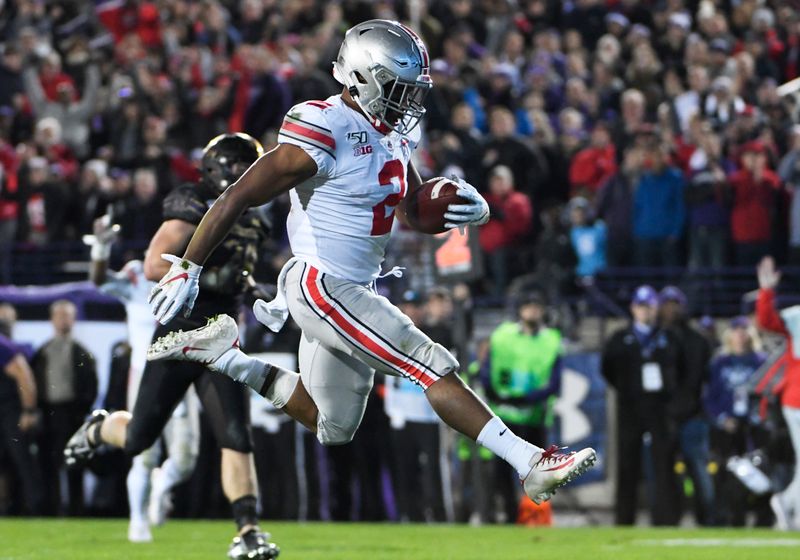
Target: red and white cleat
(551, 470)
(203, 345)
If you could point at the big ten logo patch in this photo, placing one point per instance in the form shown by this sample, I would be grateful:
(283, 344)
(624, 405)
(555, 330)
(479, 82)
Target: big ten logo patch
(359, 142)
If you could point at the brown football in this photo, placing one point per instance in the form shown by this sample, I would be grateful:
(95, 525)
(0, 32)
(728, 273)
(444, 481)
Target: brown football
(425, 209)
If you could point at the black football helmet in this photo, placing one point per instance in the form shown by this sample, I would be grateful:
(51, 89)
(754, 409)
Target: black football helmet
(227, 156)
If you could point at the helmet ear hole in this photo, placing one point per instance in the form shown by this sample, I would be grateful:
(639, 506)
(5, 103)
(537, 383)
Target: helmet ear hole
(361, 79)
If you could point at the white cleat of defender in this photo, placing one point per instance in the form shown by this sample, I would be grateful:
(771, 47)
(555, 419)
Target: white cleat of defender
(551, 470)
(160, 500)
(139, 532)
(203, 345)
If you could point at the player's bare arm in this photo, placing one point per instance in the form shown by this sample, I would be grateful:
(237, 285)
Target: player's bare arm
(98, 271)
(275, 173)
(171, 238)
(414, 182)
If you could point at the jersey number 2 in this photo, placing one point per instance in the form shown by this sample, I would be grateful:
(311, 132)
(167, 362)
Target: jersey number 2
(383, 213)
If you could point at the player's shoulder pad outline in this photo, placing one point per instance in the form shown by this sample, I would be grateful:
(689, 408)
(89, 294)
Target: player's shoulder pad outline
(307, 124)
(185, 203)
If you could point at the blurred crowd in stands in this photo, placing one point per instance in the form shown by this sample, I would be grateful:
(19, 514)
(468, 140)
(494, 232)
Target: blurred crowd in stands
(659, 122)
(603, 133)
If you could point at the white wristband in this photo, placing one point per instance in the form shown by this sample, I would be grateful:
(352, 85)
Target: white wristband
(100, 251)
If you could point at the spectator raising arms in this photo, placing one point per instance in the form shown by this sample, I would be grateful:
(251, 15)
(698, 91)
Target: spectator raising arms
(558, 92)
(73, 115)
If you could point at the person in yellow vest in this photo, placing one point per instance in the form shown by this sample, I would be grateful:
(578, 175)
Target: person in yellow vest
(521, 376)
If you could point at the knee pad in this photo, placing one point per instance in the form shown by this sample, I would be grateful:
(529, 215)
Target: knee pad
(331, 433)
(337, 424)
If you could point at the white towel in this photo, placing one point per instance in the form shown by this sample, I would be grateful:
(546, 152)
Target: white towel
(273, 314)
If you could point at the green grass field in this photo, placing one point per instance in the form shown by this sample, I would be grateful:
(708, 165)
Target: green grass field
(199, 540)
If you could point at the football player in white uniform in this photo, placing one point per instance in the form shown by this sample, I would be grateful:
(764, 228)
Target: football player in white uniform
(147, 483)
(346, 163)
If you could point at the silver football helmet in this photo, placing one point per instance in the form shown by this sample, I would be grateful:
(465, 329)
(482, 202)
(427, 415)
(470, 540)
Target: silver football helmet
(385, 67)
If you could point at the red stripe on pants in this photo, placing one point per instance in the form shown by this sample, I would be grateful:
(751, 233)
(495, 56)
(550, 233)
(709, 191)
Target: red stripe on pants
(368, 343)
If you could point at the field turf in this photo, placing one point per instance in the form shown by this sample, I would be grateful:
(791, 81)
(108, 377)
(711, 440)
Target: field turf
(34, 539)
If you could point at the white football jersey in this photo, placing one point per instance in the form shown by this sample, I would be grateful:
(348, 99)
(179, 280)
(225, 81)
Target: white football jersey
(130, 286)
(341, 218)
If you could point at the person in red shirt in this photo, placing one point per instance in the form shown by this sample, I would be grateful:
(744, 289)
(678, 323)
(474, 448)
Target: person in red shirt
(511, 221)
(9, 206)
(755, 190)
(786, 504)
(594, 165)
(55, 83)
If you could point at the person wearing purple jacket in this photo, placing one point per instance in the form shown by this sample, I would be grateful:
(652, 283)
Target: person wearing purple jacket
(614, 205)
(18, 419)
(726, 402)
(708, 200)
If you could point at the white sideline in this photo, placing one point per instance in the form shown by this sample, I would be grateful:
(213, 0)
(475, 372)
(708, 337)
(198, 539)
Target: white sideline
(706, 542)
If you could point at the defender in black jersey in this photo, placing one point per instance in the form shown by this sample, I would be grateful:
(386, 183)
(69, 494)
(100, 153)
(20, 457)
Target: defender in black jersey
(228, 275)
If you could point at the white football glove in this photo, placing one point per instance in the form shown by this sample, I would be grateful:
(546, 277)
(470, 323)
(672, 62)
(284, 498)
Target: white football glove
(475, 213)
(177, 289)
(105, 234)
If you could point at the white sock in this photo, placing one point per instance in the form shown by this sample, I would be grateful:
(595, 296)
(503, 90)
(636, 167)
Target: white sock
(138, 490)
(497, 438)
(242, 368)
(271, 382)
(171, 475)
